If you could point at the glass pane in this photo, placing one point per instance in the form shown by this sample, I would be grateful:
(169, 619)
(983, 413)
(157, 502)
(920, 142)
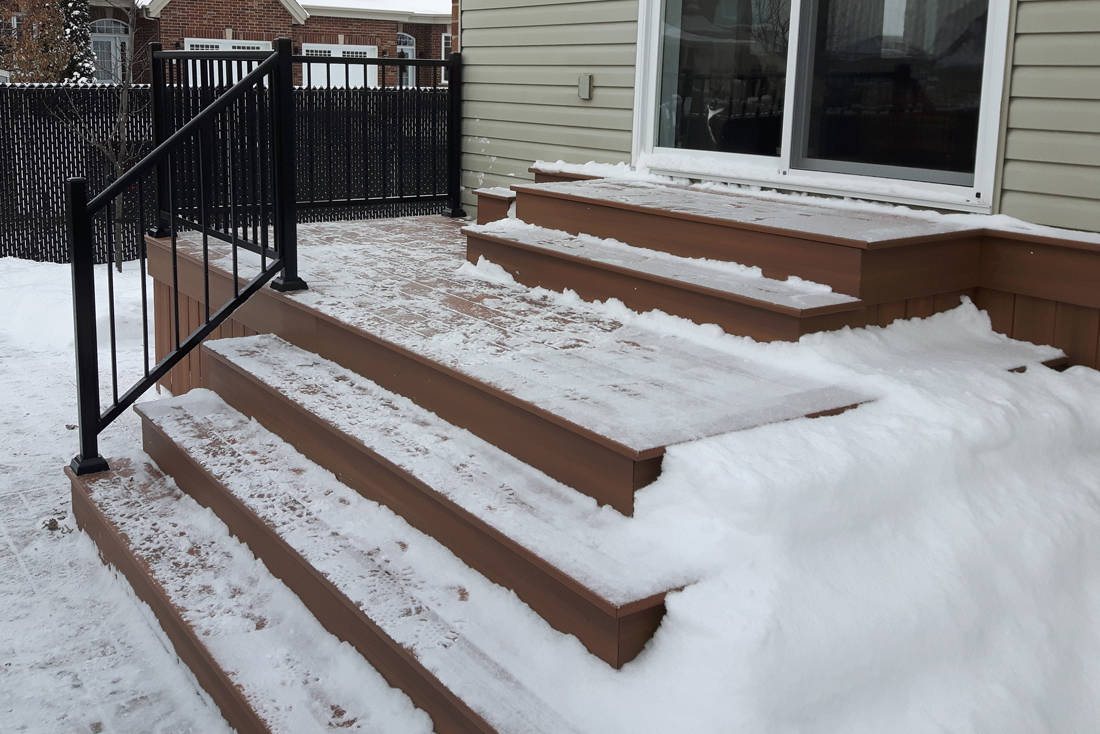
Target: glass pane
(724, 66)
(897, 83)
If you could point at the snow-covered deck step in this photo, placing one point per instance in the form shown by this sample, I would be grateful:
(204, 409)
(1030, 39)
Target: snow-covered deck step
(493, 203)
(253, 646)
(573, 563)
(452, 640)
(878, 256)
(591, 401)
(736, 297)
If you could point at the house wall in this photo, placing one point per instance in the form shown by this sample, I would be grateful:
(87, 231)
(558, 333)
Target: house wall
(1051, 166)
(522, 59)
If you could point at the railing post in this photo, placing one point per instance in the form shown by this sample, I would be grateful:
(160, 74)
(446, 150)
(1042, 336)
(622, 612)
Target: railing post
(285, 183)
(454, 135)
(160, 133)
(82, 257)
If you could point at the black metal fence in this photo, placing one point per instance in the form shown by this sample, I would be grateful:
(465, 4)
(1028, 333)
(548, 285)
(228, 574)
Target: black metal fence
(52, 132)
(362, 151)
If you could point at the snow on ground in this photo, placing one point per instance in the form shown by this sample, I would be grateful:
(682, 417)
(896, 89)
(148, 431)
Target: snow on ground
(78, 653)
(927, 562)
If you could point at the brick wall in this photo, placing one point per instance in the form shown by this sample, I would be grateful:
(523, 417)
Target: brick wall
(266, 20)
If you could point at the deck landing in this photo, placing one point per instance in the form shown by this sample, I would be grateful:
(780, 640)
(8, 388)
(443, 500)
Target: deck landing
(403, 282)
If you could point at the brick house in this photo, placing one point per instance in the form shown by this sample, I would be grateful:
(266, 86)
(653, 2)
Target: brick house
(325, 28)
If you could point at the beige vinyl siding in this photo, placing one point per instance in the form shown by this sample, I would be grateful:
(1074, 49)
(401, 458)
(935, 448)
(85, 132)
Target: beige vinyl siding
(522, 59)
(1051, 168)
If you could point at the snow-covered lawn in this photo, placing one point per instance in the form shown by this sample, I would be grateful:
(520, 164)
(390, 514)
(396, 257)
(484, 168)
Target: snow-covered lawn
(927, 562)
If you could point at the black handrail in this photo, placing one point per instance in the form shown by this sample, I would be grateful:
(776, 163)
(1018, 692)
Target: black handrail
(192, 143)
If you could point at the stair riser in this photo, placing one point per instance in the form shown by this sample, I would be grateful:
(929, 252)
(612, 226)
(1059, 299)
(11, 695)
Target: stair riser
(490, 208)
(114, 549)
(589, 464)
(778, 256)
(332, 609)
(594, 283)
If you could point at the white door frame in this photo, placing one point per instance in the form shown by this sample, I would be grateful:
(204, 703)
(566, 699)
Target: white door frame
(778, 172)
(341, 76)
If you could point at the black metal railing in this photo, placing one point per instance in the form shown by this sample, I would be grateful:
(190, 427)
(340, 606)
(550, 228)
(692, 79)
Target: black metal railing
(225, 175)
(390, 132)
(222, 167)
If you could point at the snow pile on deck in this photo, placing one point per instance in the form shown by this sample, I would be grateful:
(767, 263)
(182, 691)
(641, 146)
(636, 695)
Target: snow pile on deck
(926, 562)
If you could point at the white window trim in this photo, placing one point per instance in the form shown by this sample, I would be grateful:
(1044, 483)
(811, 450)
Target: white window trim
(338, 50)
(226, 44)
(445, 41)
(408, 73)
(777, 172)
(119, 40)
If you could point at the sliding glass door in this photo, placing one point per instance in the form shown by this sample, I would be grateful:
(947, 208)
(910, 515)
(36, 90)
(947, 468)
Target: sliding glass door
(893, 88)
(886, 89)
(724, 74)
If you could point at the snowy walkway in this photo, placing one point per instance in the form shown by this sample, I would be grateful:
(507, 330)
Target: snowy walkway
(78, 653)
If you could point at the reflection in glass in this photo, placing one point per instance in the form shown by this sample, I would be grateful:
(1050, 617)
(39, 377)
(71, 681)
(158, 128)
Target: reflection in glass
(724, 66)
(897, 83)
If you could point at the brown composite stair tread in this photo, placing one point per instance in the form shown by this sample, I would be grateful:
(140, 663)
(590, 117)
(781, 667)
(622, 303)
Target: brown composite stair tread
(722, 279)
(561, 526)
(579, 566)
(623, 385)
(442, 617)
(496, 192)
(823, 223)
(257, 650)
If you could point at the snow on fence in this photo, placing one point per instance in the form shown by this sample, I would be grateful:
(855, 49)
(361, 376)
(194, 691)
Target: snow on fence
(361, 153)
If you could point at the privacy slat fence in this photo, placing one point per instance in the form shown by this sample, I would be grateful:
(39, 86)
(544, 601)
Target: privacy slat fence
(361, 153)
(49, 133)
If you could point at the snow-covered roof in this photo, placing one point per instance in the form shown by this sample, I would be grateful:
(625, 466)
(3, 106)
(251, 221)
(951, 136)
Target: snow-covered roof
(405, 11)
(424, 11)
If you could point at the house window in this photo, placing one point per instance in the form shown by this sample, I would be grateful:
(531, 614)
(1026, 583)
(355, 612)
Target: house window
(110, 38)
(446, 53)
(222, 44)
(827, 90)
(340, 74)
(406, 49)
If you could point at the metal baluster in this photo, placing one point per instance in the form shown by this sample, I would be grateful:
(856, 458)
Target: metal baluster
(111, 297)
(141, 263)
